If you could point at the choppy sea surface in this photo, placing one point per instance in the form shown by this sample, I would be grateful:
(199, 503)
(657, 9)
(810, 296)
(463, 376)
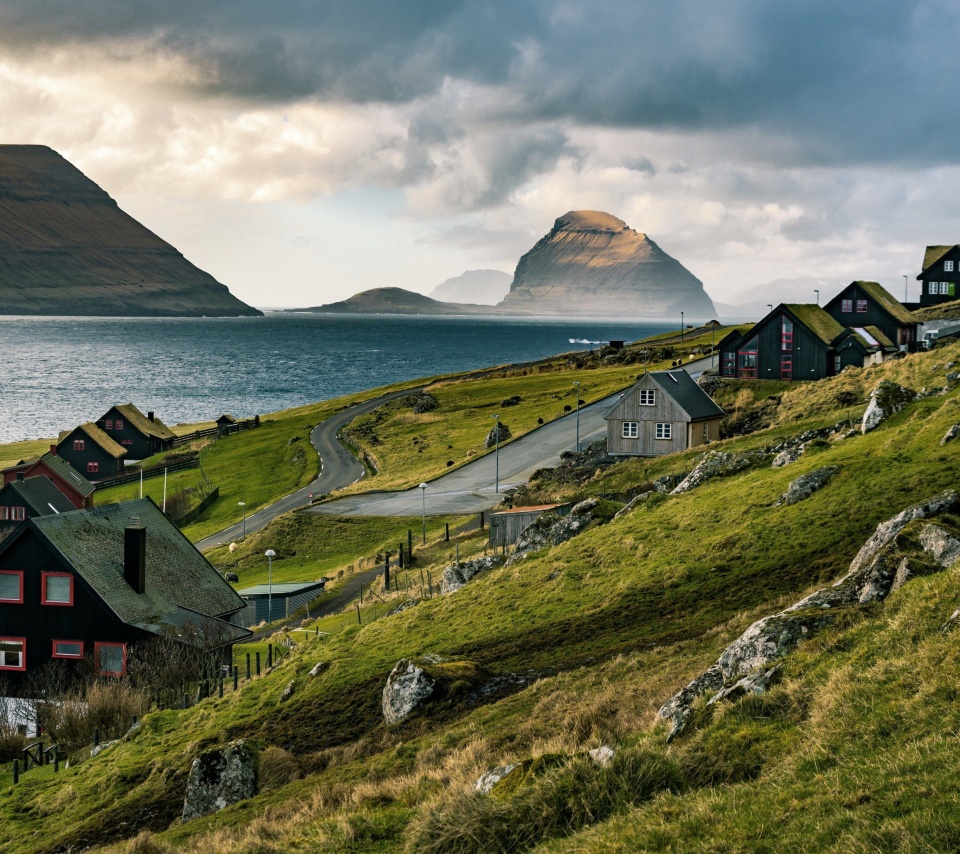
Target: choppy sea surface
(59, 372)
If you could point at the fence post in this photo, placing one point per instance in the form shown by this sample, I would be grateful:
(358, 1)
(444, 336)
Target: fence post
(481, 520)
(236, 676)
(258, 662)
(359, 621)
(248, 665)
(400, 557)
(386, 572)
(221, 688)
(410, 543)
(447, 534)
(269, 655)
(16, 771)
(185, 701)
(56, 758)
(96, 738)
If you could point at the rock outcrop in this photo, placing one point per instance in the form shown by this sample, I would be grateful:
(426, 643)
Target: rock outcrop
(66, 248)
(886, 399)
(487, 781)
(718, 464)
(408, 685)
(805, 485)
(593, 263)
(551, 529)
(878, 569)
(220, 778)
(458, 574)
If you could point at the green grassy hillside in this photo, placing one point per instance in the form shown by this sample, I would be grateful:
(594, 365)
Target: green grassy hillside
(577, 646)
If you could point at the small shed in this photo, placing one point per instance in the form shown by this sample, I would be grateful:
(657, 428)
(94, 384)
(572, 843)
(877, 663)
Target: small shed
(226, 423)
(276, 601)
(505, 526)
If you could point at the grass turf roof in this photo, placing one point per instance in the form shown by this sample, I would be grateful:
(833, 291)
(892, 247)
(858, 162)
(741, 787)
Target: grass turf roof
(149, 428)
(934, 254)
(887, 301)
(821, 324)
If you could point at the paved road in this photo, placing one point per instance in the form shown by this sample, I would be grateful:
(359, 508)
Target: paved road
(472, 488)
(338, 468)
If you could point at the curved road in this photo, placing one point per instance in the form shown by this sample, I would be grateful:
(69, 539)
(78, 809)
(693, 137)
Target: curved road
(338, 468)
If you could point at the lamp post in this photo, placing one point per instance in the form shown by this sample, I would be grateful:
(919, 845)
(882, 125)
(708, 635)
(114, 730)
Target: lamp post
(904, 288)
(496, 438)
(270, 554)
(243, 509)
(577, 384)
(770, 306)
(423, 510)
(681, 331)
(817, 292)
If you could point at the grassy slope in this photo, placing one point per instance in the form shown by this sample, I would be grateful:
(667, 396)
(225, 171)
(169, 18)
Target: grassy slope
(614, 621)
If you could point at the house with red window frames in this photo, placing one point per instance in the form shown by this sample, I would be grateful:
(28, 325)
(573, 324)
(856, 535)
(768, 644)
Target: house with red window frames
(861, 305)
(91, 452)
(26, 497)
(77, 489)
(88, 585)
(140, 435)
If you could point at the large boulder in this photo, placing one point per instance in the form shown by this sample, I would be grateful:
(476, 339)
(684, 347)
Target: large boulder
(887, 399)
(718, 464)
(408, 685)
(951, 434)
(458, 574)
(220, 778)
(498, 434)
(551, 529)
(805, 485)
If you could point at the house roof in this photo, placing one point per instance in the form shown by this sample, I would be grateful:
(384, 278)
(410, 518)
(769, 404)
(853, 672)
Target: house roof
(821, 324)
(226, 418)
(40, 494)
(684, 391)
(934, 254)
(149, 428)
(886, 300)
(96, 435)
(287, 588)
(180, 582)
(58, 466)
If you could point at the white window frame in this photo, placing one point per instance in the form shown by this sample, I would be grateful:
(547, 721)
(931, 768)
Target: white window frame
(630, 430)
(944, 288)
(933, 288)
(948, 266)
(664, 431)
(648, 397)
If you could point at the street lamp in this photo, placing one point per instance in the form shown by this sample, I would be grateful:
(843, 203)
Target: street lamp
(770, 306)
(817, 292)
(243, 509)
(577, 384)
(496, 438)
(423, 510)
(904, 288)
(681, 331)
(270, 554)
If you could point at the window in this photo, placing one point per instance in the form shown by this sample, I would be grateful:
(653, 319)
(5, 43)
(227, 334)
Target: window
(18, 514)
(57, 588)
(108, 424)
(786, 333)
(67, 649)
(846, 306)
(630, 430)
(749, 360)
(110, 659)
(4, 514)
(664, 431)
(78, 444)
(786, 367)
(933, 288)
(13, 653)
(946, 288)
(861, 306)
(836, 364)
(948, 266)
(728, 364)
(648, 397)
(127, 442)
(119, 424)
(93, 468)
(11, 586)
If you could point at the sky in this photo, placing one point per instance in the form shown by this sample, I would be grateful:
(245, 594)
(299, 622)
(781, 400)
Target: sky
(304, 150)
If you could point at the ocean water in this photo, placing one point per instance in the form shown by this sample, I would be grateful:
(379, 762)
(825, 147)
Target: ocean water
(59, 372)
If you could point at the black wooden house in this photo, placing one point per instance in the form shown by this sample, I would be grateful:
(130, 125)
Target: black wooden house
(940, 275)
(91, 452)
(24, 498)
(861, 305)
(90, 584)
(140, 435)
(77, 489)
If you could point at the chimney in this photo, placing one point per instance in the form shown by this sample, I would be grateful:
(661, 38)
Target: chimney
(150, 416)
(135, 555)
(20, 475)
(53, 450)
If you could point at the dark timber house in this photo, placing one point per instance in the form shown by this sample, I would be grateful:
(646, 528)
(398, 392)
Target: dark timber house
(92, 452)
(91, 584)
(663, 412)
(861, 305)
(940, 274)
(140, 435)
(77, 489)
(24, 498)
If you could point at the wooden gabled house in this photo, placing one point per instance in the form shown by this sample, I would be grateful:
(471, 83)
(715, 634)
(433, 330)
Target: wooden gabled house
(140, 435)
(92, 584)
(663, 412)
(26, 497)
(940, 275)
(861, 305)
(77, 489)
(91, 451)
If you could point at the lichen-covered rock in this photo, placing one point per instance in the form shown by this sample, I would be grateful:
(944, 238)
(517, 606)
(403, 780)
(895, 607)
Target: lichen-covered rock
(634, 502)
(805, 485)
(487, 781)
(403, 606)
(602, 755)
(220, 778)
(677, 708)
(407, 687)
(288, 691)
(755, 683)
(425, 403)
(318, 668)
(718, 464)
(669, 482)
(458, 574)
(887, 399)
(498, 434)
(787, 456)
(551, 529)
(951, 434)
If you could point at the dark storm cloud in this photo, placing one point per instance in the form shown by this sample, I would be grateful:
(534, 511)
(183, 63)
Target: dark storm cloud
(843, 82)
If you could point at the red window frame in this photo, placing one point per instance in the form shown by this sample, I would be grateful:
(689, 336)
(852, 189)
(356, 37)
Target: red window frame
(96, 659)
(861, 306)
(93, 468)
(18, 572)
(748, 360)
(786, 367)
(43, 588)
(4, 513)
(846, 306)
(78, 444)
(108, 424)
(23, 656)
(55, 654)
(786, 333)
(728, 364)
(119, 423)
(18, 514)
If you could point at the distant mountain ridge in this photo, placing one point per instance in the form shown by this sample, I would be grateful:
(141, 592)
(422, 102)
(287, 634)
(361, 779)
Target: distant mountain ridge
(66, 248)
(592, 263)
(477, 287)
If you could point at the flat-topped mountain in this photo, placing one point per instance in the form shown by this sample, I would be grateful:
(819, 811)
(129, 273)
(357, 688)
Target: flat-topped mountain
(397, 301)
(66, 248)
(592, 263)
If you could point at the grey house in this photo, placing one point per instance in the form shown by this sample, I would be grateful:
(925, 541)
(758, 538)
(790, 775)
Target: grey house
(663, 412)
